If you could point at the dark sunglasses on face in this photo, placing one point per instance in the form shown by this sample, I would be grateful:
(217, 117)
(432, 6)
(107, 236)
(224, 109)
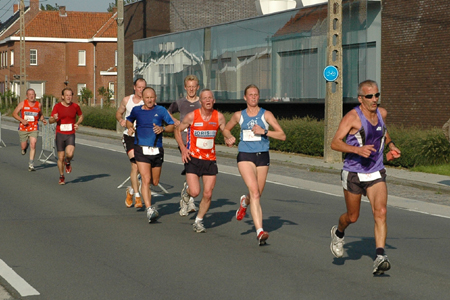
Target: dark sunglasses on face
(370, 96)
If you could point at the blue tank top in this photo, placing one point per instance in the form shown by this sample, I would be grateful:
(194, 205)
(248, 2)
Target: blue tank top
(250, 143)
(368, 134)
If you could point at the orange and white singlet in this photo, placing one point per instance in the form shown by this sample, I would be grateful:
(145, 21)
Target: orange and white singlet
(201, 134)
(31, 114)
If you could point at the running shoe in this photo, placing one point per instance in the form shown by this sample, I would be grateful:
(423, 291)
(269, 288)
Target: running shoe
(61, 180)
(198, 227)
(31, 168)
(184, 194)
(152, 214)
(240, 213)
(381, 264)
(262, 237)
(191, 206)
(337, 244)
(183, 208)
(129, 199)
(24, 151)
(68, 167)
(138, 202)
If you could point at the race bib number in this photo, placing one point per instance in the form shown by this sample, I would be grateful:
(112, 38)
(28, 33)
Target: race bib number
(65, 127)
(205, 143)
(369, 176)
(150, 150)
(29, 118)
(249, 136)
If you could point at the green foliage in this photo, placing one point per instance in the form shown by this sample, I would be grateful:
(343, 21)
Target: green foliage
(99, 118)
(49, 7)
(85, 95)
(7, 108)
(106, 95)
(419, 146)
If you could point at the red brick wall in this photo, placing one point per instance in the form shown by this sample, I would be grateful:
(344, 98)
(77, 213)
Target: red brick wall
(192, 14)
(415, 60)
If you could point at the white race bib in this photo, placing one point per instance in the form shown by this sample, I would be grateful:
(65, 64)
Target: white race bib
(369, 176)
(29, 118)
(205, 143)
(249, 136)
(66, 127)
(150, 150)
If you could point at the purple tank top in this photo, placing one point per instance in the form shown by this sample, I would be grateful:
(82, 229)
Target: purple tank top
(368, 134)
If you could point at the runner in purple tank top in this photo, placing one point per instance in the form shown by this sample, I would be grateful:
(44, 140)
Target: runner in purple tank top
(363, 173)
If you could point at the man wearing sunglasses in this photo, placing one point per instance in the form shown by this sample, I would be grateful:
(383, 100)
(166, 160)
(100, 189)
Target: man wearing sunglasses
(363, 173)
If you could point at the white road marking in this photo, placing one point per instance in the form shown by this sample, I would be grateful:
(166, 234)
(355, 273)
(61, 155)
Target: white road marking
(17, 282)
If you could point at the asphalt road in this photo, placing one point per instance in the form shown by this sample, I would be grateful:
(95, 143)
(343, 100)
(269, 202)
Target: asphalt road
(78, 241)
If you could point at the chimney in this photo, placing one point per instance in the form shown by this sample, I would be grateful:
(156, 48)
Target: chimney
(15, 8)
(62, 11)
(34, 5)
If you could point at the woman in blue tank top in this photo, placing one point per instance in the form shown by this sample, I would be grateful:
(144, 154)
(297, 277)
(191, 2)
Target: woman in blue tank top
(253, 157)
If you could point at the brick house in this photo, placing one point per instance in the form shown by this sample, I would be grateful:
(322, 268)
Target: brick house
(63, 49)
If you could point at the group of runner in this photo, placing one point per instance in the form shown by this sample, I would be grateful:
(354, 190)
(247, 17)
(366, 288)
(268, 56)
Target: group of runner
(64, 114)
(362, 135)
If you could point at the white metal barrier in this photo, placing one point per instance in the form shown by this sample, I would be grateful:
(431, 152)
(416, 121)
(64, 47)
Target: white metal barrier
(1, 141)
(48, 142)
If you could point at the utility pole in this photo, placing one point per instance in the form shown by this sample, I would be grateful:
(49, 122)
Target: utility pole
(334, 91)
(23, 69)
(120, 58)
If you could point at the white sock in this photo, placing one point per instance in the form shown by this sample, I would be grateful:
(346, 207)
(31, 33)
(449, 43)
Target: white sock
(198, 220)
(131, 191)
(259, 231)
(137, 195)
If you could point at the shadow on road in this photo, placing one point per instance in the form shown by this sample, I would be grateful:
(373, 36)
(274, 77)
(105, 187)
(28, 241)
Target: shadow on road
(87, 178)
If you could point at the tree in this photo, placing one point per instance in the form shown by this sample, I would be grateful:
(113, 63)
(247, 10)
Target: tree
(106, 94)
(86, 95)
(49, 7)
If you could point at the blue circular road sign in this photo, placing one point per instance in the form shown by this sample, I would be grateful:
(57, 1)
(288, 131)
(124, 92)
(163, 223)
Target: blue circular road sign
(330, 73)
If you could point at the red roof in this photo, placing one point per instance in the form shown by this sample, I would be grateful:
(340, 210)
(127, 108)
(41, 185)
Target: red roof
(74, 25)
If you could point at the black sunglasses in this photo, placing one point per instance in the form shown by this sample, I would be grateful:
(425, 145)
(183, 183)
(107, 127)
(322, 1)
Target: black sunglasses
(370, 96)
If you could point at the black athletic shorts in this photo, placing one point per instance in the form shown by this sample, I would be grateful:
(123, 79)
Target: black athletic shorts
(154, 160)
(201, 167)
(64, 140)
(352, 183)
(259, 159)
(128, 143)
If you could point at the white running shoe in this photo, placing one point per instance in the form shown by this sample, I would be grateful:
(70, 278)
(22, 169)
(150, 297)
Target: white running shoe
(381, 264)
(198, 227)
(152, 214)
(183, 208)
(191, 205)
(184, 194)
(337, 244)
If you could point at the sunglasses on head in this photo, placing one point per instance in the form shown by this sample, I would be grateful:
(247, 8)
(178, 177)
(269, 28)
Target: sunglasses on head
(370, 96)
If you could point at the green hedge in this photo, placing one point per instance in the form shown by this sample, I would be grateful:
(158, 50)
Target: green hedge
(99, 118)
(306, 136)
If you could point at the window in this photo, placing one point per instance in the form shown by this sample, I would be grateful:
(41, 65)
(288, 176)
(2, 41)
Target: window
(111, 88)
(79, 87)
(12, 57)
(82, 57)
(33, 57)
